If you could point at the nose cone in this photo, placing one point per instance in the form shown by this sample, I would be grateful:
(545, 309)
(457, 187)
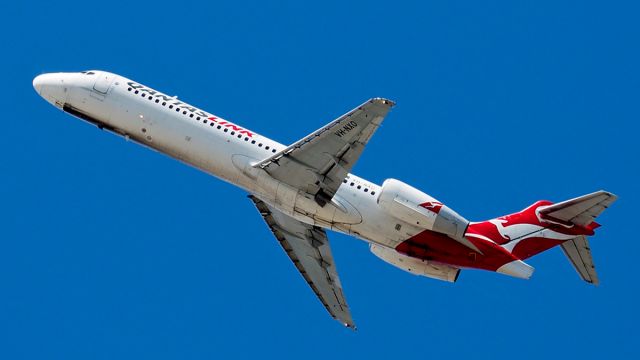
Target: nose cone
(37, 83)
(52, 87)
(46, 80)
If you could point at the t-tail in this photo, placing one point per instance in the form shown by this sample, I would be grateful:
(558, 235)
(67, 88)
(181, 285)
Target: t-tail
(544, 225)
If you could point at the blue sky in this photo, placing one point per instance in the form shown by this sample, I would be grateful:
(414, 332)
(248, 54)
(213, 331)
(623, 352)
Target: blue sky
(111, 251)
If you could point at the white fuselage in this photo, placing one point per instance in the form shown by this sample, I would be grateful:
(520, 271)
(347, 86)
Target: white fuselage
(217, 147)
(294, 189)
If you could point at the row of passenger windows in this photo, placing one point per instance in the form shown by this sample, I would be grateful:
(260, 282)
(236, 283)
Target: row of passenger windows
(359, 187)
(204, 120)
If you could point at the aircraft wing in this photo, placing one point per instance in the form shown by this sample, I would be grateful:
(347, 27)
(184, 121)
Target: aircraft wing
(308, 248)
(319, 162)
(579, 254)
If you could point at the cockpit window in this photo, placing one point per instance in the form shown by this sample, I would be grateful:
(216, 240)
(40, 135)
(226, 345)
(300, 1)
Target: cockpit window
(87, 72)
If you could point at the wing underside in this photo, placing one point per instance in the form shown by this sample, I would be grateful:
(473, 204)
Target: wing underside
(308, 247)
(318, 163)
(579, 254)
(582, 210)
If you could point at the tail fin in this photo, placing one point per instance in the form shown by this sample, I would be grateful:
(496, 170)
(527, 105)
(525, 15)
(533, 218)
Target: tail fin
(544, 225)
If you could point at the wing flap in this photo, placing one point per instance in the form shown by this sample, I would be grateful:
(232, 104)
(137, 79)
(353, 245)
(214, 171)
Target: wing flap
(308, 248)
(579, 254)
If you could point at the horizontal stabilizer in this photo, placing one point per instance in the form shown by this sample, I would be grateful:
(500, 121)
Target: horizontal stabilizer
(579, 254)
(581, 210)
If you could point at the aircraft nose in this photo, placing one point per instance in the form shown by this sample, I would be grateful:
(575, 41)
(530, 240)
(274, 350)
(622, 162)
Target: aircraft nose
(43, 81)
(37, 83)
(52, 87)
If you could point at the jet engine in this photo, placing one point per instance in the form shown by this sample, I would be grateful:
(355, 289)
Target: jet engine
(412, 206)
(415, 266)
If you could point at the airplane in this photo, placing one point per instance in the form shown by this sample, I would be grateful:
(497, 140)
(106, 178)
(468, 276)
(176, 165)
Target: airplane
(305, 188)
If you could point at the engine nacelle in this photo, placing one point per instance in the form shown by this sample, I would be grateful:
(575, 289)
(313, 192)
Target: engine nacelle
(412, 206)
(415, 266)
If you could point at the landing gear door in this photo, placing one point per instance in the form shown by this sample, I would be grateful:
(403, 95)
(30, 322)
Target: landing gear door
(103, 82)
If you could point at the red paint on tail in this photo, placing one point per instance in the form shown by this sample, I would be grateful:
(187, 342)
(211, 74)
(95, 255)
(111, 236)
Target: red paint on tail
(516, 236)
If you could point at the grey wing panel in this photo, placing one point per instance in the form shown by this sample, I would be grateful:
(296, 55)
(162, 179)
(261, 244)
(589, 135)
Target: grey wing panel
(318, 163)
(579, 254)
(308, 248)
(581, 210)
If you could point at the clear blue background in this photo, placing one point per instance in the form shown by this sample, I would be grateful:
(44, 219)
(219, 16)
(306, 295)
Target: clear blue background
(111, 251)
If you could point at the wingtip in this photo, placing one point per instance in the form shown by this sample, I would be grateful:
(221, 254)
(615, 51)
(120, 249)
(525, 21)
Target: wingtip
(351, 326)
(383, 101)
(604, 192)
(613, 196)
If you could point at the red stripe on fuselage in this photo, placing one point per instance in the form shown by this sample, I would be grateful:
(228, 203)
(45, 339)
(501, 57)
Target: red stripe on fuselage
(437, 247)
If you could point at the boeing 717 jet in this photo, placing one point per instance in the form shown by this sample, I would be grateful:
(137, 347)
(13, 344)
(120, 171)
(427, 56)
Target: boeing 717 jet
(303, 189)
